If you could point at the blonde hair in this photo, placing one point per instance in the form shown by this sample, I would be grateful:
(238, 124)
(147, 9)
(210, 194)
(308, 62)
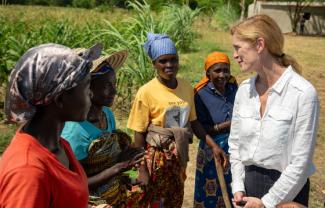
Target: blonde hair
(263, 26)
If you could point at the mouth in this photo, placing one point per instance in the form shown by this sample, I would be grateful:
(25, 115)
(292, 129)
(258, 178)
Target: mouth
(169, 72)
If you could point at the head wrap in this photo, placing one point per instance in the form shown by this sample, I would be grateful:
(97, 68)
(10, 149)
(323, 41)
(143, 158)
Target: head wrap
(42, 73)
(211, 59)
(159, 44)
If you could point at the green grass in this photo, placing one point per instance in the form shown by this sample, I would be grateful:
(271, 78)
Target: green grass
(6, 134)
(310, 52)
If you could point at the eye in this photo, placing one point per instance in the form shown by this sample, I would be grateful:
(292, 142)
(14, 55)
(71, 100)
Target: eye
(162, 61)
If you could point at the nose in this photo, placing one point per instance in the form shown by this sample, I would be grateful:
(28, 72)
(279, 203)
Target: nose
(91, 94)
(235, 55)
(222, 74)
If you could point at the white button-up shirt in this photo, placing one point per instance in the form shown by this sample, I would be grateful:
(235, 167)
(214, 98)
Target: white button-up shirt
(283, 139)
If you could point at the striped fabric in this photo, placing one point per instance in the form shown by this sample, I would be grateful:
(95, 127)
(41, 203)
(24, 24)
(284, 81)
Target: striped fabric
(158, 45)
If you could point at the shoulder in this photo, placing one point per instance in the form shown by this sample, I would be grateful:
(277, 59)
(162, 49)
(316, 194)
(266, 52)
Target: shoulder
(184, 83)
(303, 86)
(74, 130)
(108, 111)
(246, 86)
(23, 154)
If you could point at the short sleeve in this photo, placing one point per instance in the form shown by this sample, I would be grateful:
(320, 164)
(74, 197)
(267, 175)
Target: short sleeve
(140, 113)
(25, 187)
(78, 139)
(111, 118)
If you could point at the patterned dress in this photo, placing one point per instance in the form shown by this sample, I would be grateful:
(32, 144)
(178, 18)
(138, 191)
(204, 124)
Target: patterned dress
(212, 108)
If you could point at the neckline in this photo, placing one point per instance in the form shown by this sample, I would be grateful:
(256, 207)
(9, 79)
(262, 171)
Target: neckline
(52, 156)
(164, 86)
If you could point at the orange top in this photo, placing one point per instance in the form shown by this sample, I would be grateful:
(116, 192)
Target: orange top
(31, 176)
(213, 58)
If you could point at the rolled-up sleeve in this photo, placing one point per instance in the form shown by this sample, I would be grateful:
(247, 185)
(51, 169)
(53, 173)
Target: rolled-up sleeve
(295, 174)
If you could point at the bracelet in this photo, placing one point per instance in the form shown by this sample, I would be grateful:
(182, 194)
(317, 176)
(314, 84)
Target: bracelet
(216, 128)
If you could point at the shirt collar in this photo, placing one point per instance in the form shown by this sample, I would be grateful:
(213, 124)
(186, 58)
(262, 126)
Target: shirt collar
(279, 85)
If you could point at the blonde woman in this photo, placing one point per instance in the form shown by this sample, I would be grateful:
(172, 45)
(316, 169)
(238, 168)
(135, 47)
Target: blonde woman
(274, 121)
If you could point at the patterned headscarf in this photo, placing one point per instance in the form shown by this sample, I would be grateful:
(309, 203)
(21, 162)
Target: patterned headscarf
(159, 44)
(211, 59)
(42, 73)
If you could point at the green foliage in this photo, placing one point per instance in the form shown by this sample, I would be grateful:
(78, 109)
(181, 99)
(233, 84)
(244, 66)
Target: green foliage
(180, 20)
(84, 3)
(6, 136)
(176, 21)
(225, 16)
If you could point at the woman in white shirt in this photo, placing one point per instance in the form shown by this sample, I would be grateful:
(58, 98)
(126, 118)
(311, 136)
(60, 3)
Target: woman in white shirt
(275, 117)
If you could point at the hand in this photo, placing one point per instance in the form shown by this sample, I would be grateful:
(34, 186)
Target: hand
(128, 164)
(143, 177)
(238, 197)
(252, 202)
(221, 156)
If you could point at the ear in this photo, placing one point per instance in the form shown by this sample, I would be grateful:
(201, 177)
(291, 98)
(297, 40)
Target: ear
(260, 45)
(207, 73)
(59, 100)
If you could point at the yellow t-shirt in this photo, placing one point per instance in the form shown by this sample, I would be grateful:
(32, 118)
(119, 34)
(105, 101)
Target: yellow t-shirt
(157, 104)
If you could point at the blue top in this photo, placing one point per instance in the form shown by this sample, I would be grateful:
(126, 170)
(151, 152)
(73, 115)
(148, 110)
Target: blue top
(81, 134)
(213, 108)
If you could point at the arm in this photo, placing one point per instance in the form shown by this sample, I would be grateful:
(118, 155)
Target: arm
(295, 174)
(25, 187)
(128, 158)
(139, 139)
(205, 119)
(237, 168)
(201, 134)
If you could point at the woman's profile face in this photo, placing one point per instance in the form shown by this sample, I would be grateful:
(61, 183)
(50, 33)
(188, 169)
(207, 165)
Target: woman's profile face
(245, 54)
(167, 66)
(104, 89)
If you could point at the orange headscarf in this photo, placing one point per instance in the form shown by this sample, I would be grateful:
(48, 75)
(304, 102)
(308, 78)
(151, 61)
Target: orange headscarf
(213, 58)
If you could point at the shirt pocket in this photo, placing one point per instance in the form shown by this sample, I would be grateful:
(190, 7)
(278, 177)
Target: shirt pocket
(277, 123)
(248, 121)
(275, 133)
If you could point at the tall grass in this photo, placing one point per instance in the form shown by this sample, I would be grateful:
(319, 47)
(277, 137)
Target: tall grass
(225, 16)
(20, 32)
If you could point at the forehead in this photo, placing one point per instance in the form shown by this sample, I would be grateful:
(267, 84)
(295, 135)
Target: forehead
(236, 41)
(167, 56)
(219, 66)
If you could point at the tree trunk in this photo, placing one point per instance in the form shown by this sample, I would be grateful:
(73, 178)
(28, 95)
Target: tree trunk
(242, 5)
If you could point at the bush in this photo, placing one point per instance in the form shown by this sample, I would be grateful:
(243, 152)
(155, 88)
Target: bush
(84, 3)
(180, 20)
(225, 16)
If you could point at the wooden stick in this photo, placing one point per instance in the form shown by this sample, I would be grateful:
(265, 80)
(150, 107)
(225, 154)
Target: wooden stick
(222, 183)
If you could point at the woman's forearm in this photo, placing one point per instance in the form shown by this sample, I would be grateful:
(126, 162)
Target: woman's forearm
(103, 176)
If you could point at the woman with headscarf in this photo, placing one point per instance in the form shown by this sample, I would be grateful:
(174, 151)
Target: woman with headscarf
(48, 86)
(214, 98)
(103, 151)
(161, 116)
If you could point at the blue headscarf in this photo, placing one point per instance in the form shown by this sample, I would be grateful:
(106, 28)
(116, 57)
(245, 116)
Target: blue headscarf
(159, 44)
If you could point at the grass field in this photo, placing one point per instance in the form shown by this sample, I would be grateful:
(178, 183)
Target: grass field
(310, 52)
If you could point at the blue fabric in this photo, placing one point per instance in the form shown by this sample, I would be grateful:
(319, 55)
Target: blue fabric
(207, 188)
(81, 134)
(158, 45)
(212, 108)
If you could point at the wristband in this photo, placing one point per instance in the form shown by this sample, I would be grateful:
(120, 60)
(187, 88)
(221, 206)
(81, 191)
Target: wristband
(216, 128)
